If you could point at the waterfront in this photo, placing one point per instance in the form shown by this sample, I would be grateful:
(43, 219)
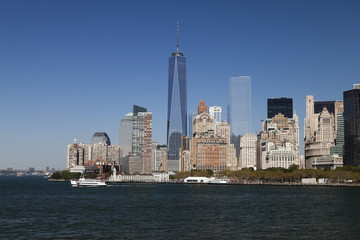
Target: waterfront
(33, 208)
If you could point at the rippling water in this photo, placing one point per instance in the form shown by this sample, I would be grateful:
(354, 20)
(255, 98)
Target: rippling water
(32, 208)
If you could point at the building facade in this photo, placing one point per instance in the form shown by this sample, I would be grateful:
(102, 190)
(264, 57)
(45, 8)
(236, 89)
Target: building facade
(208, 150)
(278, 143)
(215, 113)
(125, 134)
(352, 126)
(177, 107)
(240, 105)
(248, 151)
(239, 109)
(320, 127)
(100, 137)
(142, 138)
(280, 105)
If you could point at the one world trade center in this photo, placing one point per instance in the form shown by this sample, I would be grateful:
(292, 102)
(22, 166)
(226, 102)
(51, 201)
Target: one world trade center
(177, 106)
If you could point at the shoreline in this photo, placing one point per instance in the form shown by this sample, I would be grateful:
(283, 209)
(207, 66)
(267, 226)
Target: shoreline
(233, 183)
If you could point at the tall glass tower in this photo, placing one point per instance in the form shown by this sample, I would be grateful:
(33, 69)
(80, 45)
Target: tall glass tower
(240, 105)
(240, 109)
(177, 106)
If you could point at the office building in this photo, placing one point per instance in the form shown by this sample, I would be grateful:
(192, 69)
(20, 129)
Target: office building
(75, 155)
(338, 149)
(240, 105)
(352, 126)
(177, 106)
(202, 108)
(278, 143)
(142, 137)
(281, 105)
(125, 134)
(192, 116)
(207, 150)
(247, 157)
(100, 137)
(215, 113)
(320, 128)
(239, 109)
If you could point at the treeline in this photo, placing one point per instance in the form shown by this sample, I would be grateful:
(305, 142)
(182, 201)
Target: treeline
(281, 175)
(65, 174)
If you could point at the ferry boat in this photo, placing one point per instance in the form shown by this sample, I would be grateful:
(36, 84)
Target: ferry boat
(218, 181)
(87, 182)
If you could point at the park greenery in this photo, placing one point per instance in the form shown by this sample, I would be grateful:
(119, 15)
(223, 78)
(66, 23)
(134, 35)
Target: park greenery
(65, 174)
(280, 175)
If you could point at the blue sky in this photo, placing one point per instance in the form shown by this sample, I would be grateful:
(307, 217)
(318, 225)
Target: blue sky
(71, 68)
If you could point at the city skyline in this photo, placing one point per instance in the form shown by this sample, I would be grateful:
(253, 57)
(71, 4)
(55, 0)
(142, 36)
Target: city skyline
(65, 78)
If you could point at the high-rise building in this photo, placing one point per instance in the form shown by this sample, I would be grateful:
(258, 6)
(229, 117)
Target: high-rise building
(240, 105)
(320, 127)
(100, 137)
(136, 128)
(338, 149)
(240, 109)
(215, 113)
(248, 151)
(142, 137)
(137, 109)
(278, 143)
(202, 108)
(192, 116)
(177, 106)
(158, 156)
(75, 155)
(352, 126)
(207, 150)
(125, 134)
(280, 105)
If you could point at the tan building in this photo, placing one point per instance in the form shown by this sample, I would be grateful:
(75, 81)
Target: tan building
(278, 143)
(248, 151)
(202, 108)
(320, 127)
(209, 150)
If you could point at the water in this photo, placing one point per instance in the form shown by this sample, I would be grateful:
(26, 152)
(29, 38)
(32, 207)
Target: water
(33, 208)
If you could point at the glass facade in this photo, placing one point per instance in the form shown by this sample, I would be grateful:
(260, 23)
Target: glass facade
(100, 137)
(280, 105)
(352, 127)
(339, 145)
(177, 107)
(125, 134)
(192, 116)
(240, 105)
(330, 105)
(137, 127)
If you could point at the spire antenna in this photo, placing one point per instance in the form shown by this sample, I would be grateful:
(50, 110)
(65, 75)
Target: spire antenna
(177, 39)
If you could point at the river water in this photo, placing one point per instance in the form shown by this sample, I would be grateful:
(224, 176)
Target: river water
(33, 208)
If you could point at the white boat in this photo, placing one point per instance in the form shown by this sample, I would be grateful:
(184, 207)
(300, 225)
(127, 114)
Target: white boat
(87, 182)
(218, 181)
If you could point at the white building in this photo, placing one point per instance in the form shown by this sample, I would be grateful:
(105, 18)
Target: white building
(158, 177)
(215, 113)
(248, 151)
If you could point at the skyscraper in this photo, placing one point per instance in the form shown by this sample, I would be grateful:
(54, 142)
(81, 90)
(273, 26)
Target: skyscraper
(100, 137)
(240, 105)
(177, 106)
(125, 134)
(352, 126)
(215, 113)
(240, 109)
(280, 105)
(142, 136)
(192, 116)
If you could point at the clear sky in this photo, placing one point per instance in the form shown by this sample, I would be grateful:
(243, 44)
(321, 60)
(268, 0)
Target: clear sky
(72, 68)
